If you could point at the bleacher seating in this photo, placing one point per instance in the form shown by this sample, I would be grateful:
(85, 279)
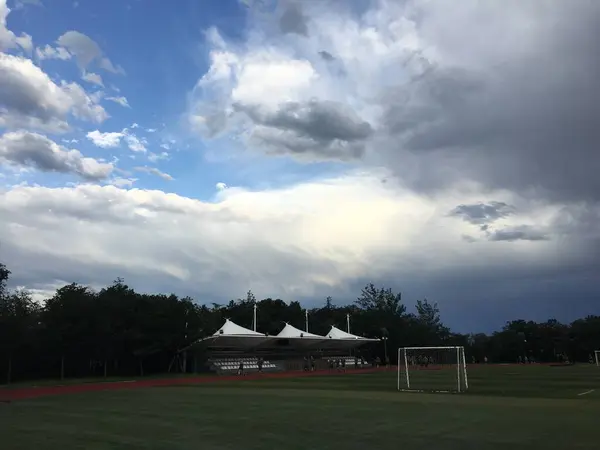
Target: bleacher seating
(360, 363)
(350, 361)
(225, 365)
(231, 365)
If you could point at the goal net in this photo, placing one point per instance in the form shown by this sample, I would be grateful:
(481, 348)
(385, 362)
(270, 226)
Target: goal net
(432, 369)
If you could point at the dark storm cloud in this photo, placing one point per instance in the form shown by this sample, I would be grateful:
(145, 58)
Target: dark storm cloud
(520, 233)
(321, 128)
(482, 213)
(484, 298)
(326, 55)
(33, 150)
(19, 96)
(293, 20)
(321, 120)
(530, 123)
(30, 99)
(485, 214)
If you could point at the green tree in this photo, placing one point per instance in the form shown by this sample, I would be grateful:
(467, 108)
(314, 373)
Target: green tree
(4, 275)
(18, 324)
(67, 319)
(383, 300)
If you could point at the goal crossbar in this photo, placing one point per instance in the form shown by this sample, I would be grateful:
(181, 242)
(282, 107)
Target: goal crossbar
(429, 348)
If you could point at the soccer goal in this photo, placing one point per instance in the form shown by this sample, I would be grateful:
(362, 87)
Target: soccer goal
(432, 369)
(597, 357)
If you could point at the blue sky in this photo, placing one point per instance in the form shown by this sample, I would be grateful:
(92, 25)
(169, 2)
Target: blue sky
(163, 52)
(303, 149)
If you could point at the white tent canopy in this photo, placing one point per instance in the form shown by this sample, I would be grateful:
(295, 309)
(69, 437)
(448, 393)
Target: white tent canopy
(290, 331)
(300, 338)
(336, 333)
(234, 336)
(230, 328)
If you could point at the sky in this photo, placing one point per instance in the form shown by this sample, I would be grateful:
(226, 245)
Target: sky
(447, 150)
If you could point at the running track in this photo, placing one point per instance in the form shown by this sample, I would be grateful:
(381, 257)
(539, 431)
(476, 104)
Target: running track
(9, 395)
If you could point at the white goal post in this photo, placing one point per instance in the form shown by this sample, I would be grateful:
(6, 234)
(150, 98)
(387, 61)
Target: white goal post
(597, 357)
(432, 369)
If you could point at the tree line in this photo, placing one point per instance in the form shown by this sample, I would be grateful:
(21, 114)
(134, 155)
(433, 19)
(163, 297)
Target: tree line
(119, 332)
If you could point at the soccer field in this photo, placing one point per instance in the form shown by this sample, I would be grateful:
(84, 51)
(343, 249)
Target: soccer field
(527, 407)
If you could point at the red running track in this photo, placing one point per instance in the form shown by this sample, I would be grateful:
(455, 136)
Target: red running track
(9, 395)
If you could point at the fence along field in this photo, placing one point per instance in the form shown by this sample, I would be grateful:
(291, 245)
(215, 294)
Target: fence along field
(507, 406)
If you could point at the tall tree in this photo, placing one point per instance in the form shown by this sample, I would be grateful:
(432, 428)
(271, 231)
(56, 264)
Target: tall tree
(18, 322)
(4, 275)
(67, 320)
(384, 300)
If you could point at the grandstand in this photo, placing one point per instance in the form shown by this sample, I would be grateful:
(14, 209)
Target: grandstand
(223, 351)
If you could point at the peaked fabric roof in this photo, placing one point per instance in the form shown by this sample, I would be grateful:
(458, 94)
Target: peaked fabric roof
(336, 333)
(290, 331)
(232, 329)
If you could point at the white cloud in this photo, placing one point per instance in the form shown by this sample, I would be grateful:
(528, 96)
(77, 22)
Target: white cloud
(134, 143)
(81, 46)
(309, 239)
(316, 82)
(114, 138)
(282, 100)
(260, 78)
(8, 39)
(120, 100)
(107, 65)
(93, 78)
(105, 140)
(32, 150)
(32, 100)
(154, 171)
(25, 42)
(272, 79)
(20, 4)
(49, 52)
(154, 157)
(417, 78)
(86, 51)
(123, 182)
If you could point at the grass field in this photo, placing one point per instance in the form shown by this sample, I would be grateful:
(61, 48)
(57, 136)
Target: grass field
(527, 407)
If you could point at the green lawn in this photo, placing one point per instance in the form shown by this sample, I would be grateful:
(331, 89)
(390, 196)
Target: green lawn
(506, 407)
